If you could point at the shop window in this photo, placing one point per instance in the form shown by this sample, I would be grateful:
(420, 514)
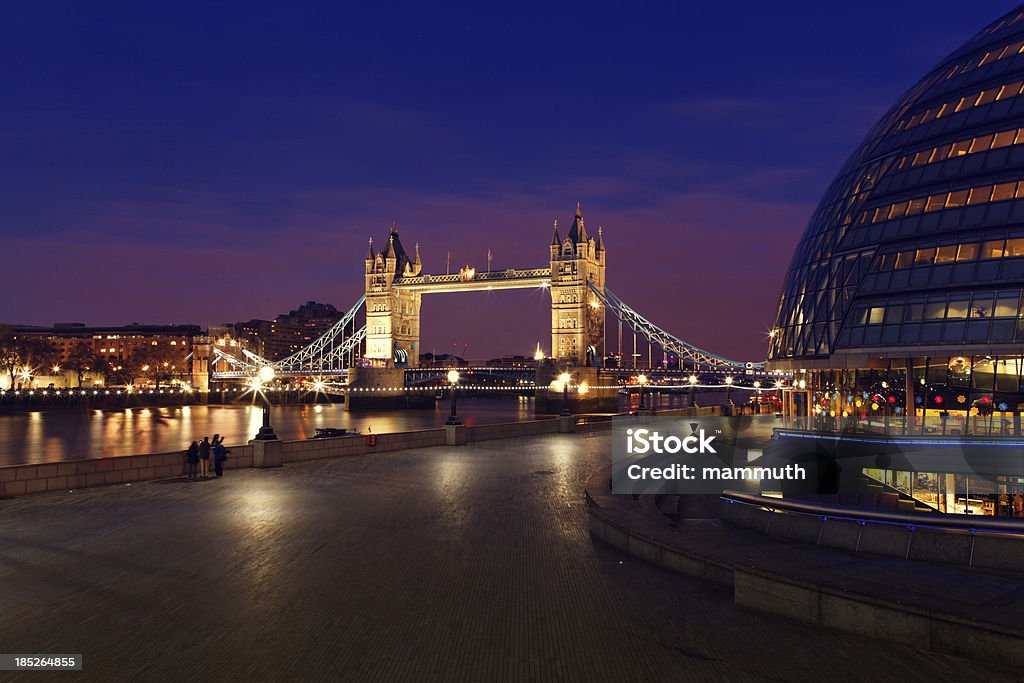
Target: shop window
(992, 249)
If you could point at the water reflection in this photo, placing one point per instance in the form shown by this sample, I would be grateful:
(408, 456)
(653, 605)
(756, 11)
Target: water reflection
(68, 434)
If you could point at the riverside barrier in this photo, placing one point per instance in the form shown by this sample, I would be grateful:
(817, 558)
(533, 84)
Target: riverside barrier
(19, 480)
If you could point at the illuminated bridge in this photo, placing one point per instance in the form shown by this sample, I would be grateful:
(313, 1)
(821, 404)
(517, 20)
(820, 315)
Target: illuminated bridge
(380, 332)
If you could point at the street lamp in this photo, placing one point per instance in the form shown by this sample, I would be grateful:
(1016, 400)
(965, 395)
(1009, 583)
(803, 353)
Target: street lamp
(642, 381)
(565, 378)
(265, 375)
(728, 390)
(453, 380)
(693, 387)
(757, 385)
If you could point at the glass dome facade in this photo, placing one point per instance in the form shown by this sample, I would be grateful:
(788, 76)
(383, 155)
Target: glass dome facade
(916, 250)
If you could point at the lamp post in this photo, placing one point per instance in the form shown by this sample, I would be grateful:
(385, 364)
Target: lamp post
(265, 376)
(642, 381)
(757, 385)
(453, 380)
(728, 389)
(693, 388)
(565, 378)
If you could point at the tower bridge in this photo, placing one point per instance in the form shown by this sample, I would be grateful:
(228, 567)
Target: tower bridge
(384, 352)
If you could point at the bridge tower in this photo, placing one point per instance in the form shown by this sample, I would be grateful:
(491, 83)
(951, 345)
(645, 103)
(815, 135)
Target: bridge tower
(577, 319)
(392, 313)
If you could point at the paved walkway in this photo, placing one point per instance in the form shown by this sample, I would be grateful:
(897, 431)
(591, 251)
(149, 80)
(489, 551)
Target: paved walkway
(470, 563)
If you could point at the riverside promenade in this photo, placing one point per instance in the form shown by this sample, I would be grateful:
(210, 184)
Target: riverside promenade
(465, 563)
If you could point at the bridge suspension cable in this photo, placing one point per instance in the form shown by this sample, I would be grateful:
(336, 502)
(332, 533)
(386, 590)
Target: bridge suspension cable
(330, 353)
(668, 343)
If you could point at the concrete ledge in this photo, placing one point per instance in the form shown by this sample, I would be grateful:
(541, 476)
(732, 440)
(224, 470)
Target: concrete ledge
(622, 524)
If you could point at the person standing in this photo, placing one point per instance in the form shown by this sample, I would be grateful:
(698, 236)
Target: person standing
(204, 457)
(220, 454)
(191, 460)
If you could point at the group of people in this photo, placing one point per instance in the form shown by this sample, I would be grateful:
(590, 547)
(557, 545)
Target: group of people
(197, 457)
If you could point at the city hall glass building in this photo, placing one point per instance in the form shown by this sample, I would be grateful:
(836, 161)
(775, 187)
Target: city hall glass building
(903, 299)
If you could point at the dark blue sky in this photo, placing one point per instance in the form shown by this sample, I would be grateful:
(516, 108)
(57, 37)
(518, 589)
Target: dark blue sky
(214, 161)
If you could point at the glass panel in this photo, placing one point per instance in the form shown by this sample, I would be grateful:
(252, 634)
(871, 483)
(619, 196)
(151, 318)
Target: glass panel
(1006, 305)
(958, 308)
(924, 256)
(936, 202)
(981, 307)
(983, 142)
(935, 310)
(921, 158)
(916, 206)
(1009, 90)
(987, 96)
(1014, 247)
(887, 261)
(959, 198)
(893, 313)
(898, 210)
(876, 315)
(967, 252)
(914, 311)
(960, 148)
(946, 254)
(942, 152)
(1003, 191)
(992, 249)
(905, 259)
(979, 195)
(1003, 139)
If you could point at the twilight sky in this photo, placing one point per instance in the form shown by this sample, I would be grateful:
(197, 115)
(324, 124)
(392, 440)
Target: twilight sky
(211, 162)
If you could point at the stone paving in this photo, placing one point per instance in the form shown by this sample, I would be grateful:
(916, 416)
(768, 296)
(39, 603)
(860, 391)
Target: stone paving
(471, 564)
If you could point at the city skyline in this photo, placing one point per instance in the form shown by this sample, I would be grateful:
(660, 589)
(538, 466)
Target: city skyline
(206, 168)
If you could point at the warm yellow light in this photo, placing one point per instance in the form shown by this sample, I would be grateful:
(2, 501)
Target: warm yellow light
(318, 385)
(641, 379)
(453, 377)
(564, 378)
(728, 380)
(757, 385)
(538, 355)
(266, 374)
(56, 368)
(693, 379)
(594, 303)
(778, 384)
(803, 384)
(582, 388)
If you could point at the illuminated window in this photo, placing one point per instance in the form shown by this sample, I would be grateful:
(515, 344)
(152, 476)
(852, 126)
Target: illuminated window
(959, 198)
(967, 252)
(960, 148)
(958, 307)
(916, 206)
(1014, 247)
(921, 158)
(898, 210)
(979, 195)
(904, 259)
(946, 254)
(1003, 139)
(981, 143)
(986, 97)
(924, 256)
(1009, 90)
(876, 315)
(1003, 191)
(935, 310)
(936, 202)
(1006, 305)
(992, 249)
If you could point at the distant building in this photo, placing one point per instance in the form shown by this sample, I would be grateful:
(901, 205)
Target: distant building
(114, 343)
(289, 332)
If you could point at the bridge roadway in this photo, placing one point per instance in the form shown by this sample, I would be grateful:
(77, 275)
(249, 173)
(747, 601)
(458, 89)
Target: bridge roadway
(471, 563)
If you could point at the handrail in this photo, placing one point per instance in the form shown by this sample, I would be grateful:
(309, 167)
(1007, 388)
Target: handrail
(863, 515)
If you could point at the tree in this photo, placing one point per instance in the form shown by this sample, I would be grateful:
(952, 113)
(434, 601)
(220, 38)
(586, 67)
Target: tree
(25, 354)
(159, 363)
(10, 361)
(81, 360)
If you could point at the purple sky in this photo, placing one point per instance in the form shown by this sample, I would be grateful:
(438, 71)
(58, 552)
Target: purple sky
(199, 164)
